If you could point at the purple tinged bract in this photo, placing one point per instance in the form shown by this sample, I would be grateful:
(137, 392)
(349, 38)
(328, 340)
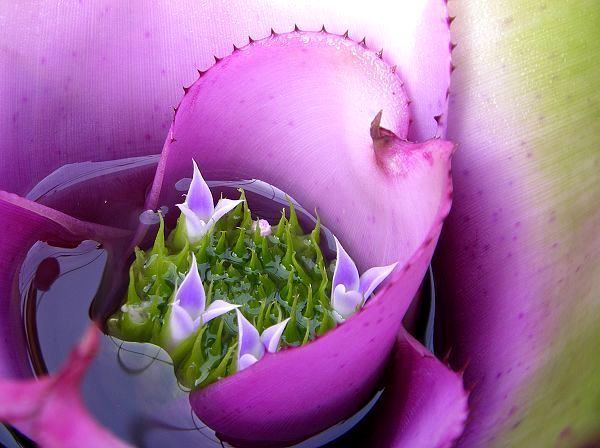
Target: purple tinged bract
(188, 310)
(350, 291)
(263, 225)
(199, 211)
(252, 345)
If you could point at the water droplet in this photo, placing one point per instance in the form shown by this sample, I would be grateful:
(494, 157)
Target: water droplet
(149, 217)
(183, 184)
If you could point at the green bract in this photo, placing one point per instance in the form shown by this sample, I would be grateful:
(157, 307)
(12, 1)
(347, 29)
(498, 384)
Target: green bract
(273, 277)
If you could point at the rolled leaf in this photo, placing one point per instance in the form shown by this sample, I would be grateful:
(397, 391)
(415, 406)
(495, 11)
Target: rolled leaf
(128, 90)
(295, 80)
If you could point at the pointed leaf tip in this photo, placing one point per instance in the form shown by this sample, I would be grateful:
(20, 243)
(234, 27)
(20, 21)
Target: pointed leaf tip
(199, 198)
(420, 390)
(376, 126)
(49, 410)
(216, 309)
(272, 335)
(190, 295)
(345, 272)
(373, 277)
(250, 347)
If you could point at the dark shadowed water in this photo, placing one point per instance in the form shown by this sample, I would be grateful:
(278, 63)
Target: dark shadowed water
(130, 387)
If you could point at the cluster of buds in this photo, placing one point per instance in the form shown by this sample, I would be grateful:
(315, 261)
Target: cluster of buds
(224, 288)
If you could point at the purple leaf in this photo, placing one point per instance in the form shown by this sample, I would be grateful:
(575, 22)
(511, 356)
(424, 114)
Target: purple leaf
(209, 119)
(424, 404)
(427, 78)
(44, 73)
(519, 259)
(49, 410)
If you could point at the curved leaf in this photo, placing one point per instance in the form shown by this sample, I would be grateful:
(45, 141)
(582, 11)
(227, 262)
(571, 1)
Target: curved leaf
(424, 404)
(96, 81)
(49, 410)
(268, 112)
(520, 287)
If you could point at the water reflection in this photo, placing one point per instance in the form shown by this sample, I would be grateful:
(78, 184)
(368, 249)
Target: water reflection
(130, 387)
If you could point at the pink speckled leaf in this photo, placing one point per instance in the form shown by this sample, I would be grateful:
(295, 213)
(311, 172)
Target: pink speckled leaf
(49, 410)
(518, 269)
(278, 110)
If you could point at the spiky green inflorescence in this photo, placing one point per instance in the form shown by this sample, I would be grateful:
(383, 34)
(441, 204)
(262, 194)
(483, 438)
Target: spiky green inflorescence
(272, 277)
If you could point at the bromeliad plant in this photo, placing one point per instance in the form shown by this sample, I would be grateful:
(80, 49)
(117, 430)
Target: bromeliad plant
(382, 196)
(218, 259)
(517, 263)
